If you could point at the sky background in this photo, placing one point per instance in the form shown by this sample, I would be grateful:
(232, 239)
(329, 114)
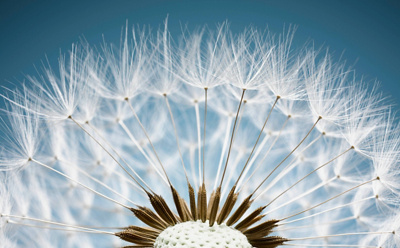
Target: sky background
(366, 32)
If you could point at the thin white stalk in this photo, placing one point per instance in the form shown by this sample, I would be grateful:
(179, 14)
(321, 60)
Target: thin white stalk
(117, 153)
(130, 135)
(325, 211)
(123, 177)
(330, 161)
(226, 139)
(148, 138)
(224, 147)
(259, 149)
(287, 156)
(114, 210)
(315, 224)
(290, 166)
(192, 158)
(312, 172)
(240, 119)
(233, 171)
(114, 172)
(234, 166)
(53, 223)
(81, 184)
(340, 235)
(176, 136)
(103, 147)
(258, 139)
(232, 138)
(196, 108)
(330, 199)
(59, 228)
(204, 133)
(302, 195)
(98, 181)
(326, 245)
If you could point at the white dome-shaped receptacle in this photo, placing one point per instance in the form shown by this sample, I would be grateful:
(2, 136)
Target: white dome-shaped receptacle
(196, 234)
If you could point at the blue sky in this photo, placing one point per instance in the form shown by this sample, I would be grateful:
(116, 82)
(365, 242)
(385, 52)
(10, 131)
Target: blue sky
(365, 32)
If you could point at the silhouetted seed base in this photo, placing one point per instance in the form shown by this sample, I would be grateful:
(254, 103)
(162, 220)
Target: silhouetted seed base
(204, 224)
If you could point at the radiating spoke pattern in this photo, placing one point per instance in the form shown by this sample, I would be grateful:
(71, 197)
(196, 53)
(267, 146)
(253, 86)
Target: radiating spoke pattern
(218, 139)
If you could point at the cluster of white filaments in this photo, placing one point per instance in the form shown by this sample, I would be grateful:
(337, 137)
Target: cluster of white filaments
(215, 140)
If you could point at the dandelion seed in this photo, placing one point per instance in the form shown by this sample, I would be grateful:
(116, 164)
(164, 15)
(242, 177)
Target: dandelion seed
(218, 140)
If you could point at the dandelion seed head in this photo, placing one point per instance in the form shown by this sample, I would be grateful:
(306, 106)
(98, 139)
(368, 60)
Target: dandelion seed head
(217, 139)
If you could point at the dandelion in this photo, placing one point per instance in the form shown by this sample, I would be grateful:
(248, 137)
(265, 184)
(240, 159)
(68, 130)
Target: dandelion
(215, 140)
